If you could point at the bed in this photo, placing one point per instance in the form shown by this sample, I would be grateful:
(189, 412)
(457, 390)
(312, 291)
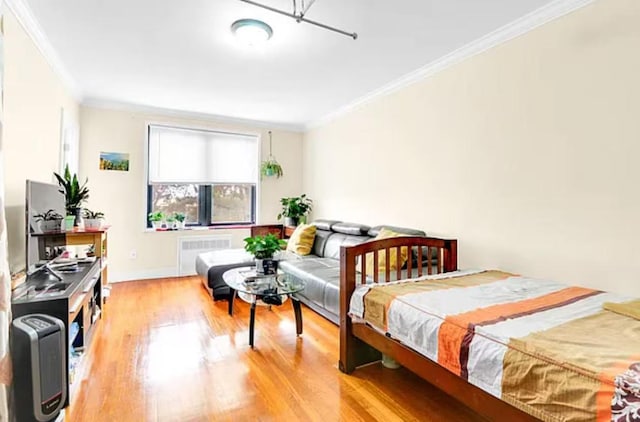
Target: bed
(509, 347)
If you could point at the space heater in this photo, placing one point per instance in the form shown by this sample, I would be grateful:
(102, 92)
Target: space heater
(39, 367)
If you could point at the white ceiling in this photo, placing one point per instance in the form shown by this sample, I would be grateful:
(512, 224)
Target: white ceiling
(180, 55)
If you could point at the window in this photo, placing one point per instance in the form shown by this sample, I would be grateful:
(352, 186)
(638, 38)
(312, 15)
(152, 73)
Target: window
(209, 176)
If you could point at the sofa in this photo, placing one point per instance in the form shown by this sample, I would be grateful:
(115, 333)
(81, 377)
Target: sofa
(320, 270)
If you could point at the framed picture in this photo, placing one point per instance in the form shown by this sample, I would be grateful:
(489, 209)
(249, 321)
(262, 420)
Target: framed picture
(117, 161)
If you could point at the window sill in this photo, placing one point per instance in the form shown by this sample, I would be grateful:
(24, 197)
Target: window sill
(200, 229)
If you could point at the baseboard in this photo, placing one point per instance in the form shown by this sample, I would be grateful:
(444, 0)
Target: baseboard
(119, 276)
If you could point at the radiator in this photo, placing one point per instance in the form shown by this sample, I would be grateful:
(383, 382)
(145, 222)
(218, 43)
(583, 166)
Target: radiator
(190, 246)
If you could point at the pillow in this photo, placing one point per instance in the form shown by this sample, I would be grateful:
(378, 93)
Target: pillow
(394, 262)
(301, 241)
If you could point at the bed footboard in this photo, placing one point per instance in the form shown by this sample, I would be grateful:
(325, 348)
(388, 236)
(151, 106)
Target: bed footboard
(427, 256)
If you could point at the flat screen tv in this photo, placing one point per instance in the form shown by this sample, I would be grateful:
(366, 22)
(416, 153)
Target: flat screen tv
(40, 199)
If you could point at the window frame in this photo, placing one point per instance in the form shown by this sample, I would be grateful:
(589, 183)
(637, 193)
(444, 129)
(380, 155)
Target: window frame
(205, 191)
(205, 207)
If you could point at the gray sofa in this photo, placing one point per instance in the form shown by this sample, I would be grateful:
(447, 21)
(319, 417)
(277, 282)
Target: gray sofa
(320, 270)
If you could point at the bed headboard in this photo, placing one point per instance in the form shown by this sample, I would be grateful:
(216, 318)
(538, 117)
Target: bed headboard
(428, 256)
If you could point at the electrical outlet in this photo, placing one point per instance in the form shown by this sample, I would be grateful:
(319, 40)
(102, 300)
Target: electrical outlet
(133, 254)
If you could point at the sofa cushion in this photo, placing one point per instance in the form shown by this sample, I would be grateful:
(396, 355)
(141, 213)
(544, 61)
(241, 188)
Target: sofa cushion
(373, 231)
(301, 240)
(324, 224)
(332, 247)
(320, 241)
(350, 228)
(316, 273)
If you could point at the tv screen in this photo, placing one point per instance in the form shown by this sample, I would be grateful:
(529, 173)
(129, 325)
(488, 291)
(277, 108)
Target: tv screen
(41, 198)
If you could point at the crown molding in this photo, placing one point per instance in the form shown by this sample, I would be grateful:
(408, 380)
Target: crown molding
(27, 20)
(520, 26)
(167, 112)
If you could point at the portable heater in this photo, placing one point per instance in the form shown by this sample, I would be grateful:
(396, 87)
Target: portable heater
(39, 367)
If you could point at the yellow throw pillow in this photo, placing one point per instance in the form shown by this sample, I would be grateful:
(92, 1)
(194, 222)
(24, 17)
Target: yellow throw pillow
(301, 241)
(394, 263)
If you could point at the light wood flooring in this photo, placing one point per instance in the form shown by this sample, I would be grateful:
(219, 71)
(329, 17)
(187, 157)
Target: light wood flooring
(164, 351)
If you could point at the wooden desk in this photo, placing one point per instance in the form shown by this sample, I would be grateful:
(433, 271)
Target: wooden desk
(288, 231)
(95, 237)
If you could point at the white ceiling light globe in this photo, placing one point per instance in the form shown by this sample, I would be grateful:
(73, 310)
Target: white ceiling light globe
(251, 31)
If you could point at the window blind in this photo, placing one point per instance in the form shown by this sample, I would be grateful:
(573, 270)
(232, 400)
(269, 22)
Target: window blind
(178, 155)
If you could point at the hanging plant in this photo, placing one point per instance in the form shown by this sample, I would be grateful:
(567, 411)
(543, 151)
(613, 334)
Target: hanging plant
(270, 167)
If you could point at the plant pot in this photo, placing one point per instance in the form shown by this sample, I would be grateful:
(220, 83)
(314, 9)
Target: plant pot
(92, 223)
(178, 225)
(51, 225)
(290, 221)
(68, 222)
(157, 224)
(270, 266)
(77, 213)
(259, 266)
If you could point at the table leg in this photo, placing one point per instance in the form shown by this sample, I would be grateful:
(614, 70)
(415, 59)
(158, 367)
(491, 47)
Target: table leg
(297, 310)
(252, 322)
(232, 296)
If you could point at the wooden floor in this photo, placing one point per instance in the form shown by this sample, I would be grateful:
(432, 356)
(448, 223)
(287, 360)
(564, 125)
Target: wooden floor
(164, 351)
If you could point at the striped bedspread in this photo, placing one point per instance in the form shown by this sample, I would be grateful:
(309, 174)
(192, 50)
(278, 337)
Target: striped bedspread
(546, 348)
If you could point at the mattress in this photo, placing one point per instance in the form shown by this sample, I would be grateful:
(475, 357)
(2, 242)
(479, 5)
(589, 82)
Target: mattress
(546, 348)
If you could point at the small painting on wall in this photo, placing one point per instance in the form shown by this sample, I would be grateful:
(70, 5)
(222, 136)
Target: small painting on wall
(114, 161)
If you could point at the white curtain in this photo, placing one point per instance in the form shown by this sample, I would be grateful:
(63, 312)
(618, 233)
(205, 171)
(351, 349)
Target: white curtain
(178, 155)
(5, 306)
(5, 277)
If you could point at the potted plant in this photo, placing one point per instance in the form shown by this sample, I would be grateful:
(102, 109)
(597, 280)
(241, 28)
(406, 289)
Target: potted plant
(157, 219)
(49, 221)
(92, 219)
(295, 209)
(263, 248)
(179, 220)
(74, 193)
(270, 167)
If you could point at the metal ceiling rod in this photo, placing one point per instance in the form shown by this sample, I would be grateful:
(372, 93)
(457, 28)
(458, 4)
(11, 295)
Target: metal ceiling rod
(306, 8)
(301, 18)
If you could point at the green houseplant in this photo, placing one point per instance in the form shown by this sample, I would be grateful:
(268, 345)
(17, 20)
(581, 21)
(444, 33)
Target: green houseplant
(263, 248)
(157, 219)
(49, 221)
(75, 194)
(270, 167)
(295, 209)
(179, 220)
(92, 219)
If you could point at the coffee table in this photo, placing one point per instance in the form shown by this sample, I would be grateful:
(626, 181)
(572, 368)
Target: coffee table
(268, 289)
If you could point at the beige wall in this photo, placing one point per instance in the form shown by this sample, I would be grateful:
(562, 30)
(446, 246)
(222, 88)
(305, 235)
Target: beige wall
(528, 153)
(122, 195)
(34, 97)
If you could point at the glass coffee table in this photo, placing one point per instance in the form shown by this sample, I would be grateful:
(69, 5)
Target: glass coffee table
(269, 289)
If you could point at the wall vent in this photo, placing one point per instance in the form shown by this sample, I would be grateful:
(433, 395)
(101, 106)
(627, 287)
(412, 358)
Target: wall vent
(190, 246)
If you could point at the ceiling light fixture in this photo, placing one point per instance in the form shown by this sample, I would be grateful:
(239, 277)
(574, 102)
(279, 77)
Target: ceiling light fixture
(299, 15)
(251, 31)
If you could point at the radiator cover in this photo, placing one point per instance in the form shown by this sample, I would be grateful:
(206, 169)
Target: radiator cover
(190, 246)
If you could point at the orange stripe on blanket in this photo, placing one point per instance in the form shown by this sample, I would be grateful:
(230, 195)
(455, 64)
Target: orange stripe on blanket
(454, 328)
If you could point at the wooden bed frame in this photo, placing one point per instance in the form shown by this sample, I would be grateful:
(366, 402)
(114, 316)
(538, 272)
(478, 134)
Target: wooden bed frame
(361, 344)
